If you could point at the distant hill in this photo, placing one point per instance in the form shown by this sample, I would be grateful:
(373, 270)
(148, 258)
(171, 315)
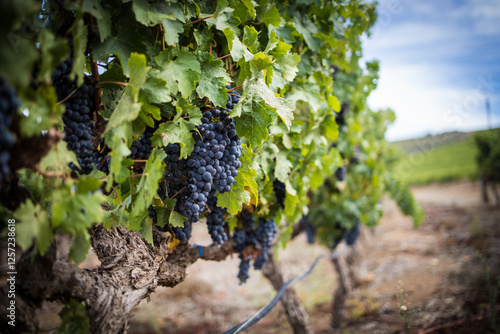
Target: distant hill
(444, 157)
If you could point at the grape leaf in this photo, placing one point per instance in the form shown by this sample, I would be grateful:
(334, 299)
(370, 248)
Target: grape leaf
(151, 13)
(33, 223)
(243, 9)
(119, 139)
(176, 219)
(179, 129)
(79, 45)
(180, 69)
(171, 31)
(236, 47)
(251, 39)
(80, 247)
(128, 107)
(223, 18)
(76, 207)
(238, 195)
(254, 116)
(213, 79)
(244, 187)
(74, 319)
(54, 51)
(203, 39)
(44, 111)
(129, 39)
(151, 176)
(102, 16)
(155, 90)
(269, 14)
(58, 158)
(283, 107)
(283, 167)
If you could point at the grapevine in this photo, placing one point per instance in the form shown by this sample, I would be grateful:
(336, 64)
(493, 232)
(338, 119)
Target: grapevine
(177, 113)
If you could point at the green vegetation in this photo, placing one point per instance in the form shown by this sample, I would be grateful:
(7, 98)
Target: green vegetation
(442, 158)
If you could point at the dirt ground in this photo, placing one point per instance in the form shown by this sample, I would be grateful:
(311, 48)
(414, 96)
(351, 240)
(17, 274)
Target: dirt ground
(436, 271)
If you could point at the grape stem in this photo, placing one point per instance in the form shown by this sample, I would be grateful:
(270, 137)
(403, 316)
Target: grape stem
(196, 21)
(67, 97)
(234, 88)
(228, 55)
(124, 84)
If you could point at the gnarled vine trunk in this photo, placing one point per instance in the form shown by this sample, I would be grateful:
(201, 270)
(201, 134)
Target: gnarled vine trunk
(297, 315)
(129, 271)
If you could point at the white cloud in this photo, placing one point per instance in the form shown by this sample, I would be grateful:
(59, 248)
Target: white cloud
(433, 62)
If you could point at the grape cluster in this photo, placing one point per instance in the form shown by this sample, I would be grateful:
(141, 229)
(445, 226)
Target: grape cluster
(309, 228)
(79, 103)
(280, 191)
(215, 219)
(341, 173)
(260, 237)
(141, 148)
(350, 236)
(342, 114)
(8, 107)
(265, 235)
(212, 166)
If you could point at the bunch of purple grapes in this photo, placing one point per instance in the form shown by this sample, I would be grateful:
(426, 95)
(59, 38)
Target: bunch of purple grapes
(8, 107)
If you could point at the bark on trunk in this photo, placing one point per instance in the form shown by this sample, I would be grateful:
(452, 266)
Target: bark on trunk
(343, 290)
(130, 270)
(297, 315)
(495, 193)
(484, 190)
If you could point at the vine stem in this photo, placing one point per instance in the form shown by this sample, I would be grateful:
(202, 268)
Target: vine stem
(196, 21)
(162, 37)
(228, 55)
(67, 97)
(124, 84)
(235, 88)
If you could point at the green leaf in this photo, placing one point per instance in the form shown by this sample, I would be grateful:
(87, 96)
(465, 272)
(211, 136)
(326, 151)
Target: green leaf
(128, 107)
(243, 9)
(251, 39)
(223, 18)
(179, 129)
(33, 223)
(151, 13)
(80, 247)
(213, 79)
(255, 112)
(76, 207)
(155, 90)
(176, 219)
(244, 186)
(74, 319)
(58, 158)
(203, 39)
(54, 51)
(237, 49)
(150, 179)
(234, 199)
(172, 29)
(79, 45)
(283, 167)
(44, 111)
(269, 14)
(119, 139)
(180, 69)
(129, 39)
(102, 16)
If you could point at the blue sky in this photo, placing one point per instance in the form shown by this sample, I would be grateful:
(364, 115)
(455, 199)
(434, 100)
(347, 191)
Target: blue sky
(439, 61)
